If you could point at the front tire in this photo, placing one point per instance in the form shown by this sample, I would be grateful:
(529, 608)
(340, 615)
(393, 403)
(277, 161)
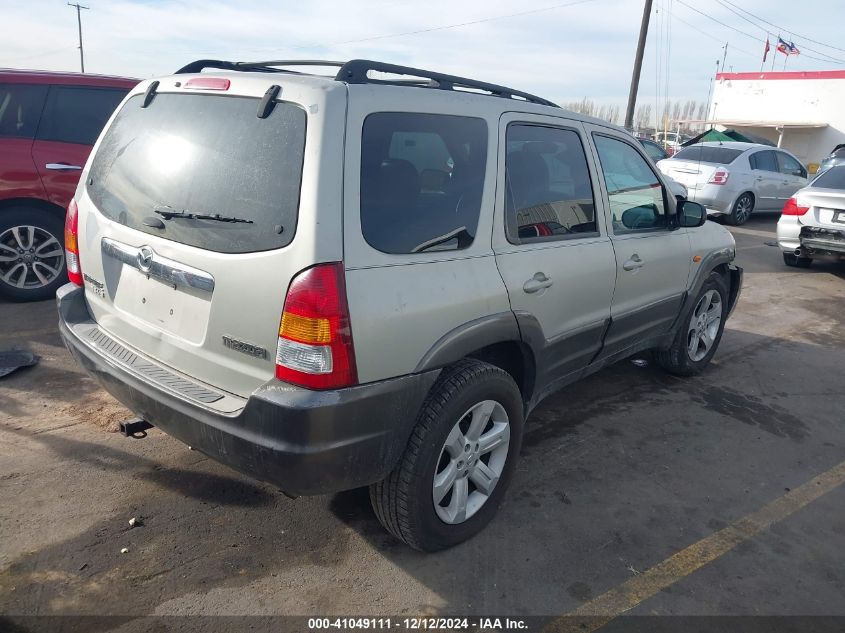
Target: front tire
(459, 460)
(32, 255)
(700, 330)
(742, 209)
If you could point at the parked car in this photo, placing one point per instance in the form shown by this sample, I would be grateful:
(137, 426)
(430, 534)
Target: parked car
(48, 124)
(669, 141)
(836, 157)
(262, 275)
(813, 220)
(656, 152)
(733, 179)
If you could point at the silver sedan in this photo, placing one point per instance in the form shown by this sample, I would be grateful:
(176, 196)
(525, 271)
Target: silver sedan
(732, 179)
(813, 220)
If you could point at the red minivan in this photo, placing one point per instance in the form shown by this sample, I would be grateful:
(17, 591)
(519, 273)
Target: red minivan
(48, 123)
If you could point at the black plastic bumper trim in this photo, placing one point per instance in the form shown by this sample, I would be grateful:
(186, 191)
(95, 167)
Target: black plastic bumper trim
(305, 442)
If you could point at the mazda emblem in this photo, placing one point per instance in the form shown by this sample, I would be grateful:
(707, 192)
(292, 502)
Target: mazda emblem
(145, 258)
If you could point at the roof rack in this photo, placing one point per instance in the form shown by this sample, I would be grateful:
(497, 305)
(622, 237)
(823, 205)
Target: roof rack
(265, 67)
(357, 71)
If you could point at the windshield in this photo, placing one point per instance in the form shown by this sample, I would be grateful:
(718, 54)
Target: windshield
(708, 154)
(833, 178)
(205, 155)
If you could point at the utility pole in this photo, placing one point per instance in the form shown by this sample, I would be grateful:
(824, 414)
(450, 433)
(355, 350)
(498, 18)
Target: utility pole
(638, 65)
(79, 8)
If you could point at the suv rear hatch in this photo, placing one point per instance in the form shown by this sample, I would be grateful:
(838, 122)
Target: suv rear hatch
(188, 214)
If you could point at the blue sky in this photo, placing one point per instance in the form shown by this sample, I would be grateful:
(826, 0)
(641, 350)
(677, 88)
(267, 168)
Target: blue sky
(560, 50)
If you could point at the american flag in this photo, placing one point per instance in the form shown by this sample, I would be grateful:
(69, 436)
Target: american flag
(787, 48)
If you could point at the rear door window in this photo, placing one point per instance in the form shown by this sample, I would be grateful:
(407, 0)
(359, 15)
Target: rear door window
(422, 176)
(208, 155)
(764, 161)
(20, 109)
(708, 154)
(76, 114)
(549, 193)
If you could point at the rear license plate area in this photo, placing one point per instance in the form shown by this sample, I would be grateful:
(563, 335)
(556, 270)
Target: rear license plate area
(177, 310)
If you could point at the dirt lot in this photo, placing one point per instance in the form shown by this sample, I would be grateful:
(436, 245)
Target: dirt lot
(619, 474)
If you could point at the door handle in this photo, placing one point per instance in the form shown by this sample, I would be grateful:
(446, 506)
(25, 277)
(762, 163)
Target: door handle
(633, 263)
(758, 178)
(62, 167)
(537, 283)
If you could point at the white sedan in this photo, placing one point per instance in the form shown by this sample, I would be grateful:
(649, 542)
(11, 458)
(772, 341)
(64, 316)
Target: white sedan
(812, 223)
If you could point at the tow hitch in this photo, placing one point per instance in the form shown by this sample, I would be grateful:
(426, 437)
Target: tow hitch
(135, 428)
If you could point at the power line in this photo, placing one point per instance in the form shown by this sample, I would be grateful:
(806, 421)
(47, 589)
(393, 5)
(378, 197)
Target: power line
(731, 9)
(15, 60)
(712, 37)
(461, 24)
(756, 39)
(780, 28)
(710, 17)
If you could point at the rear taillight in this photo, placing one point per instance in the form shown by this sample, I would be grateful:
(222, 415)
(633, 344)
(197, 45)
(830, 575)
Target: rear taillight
(315, 338)
(719, 177)
(74, 270)
(791, 208)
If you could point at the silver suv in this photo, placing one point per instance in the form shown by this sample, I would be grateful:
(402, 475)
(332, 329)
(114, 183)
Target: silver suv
(329, 282)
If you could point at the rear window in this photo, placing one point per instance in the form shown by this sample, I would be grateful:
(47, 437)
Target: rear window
(78, 114)
(709, 154)
(833, 178)
(421, 181)
(208, 155)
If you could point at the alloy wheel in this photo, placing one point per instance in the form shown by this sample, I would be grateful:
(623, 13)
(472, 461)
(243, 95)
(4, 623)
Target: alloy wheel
(30, 257)
(704, 325)
(743, 209)
(471, 462)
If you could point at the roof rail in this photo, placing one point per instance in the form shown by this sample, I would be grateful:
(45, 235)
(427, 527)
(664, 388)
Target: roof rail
(294, 62)
(356, 72)
(201, 64)
(264, 67)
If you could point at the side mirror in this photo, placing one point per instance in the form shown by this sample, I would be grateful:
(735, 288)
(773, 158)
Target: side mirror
(691, 214)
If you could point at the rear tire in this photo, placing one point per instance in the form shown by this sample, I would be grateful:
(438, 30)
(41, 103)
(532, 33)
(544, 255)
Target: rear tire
(32, 256)
(741, 211)
(798, 262)
(405, 501)
(700, 330)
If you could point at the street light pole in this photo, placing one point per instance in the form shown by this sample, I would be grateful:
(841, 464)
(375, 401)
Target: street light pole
(79, 8)
(638, 65)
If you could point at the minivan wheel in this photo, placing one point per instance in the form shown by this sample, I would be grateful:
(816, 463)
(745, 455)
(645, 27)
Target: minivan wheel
(800, 262)
(459, 460)
(32, 254)
(742, 209)
(699, 330)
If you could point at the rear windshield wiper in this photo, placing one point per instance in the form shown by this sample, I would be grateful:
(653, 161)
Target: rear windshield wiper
(168, 212)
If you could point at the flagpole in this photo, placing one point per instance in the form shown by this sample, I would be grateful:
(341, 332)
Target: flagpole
(774, 57)
(765, 52)
(786, 57)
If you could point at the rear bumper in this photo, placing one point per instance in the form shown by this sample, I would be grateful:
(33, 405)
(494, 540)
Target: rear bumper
(715, 198)
(817, 240)
(305, 442)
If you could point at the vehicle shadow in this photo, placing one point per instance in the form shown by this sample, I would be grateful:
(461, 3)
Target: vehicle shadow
(630, 465)
(616, 473)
